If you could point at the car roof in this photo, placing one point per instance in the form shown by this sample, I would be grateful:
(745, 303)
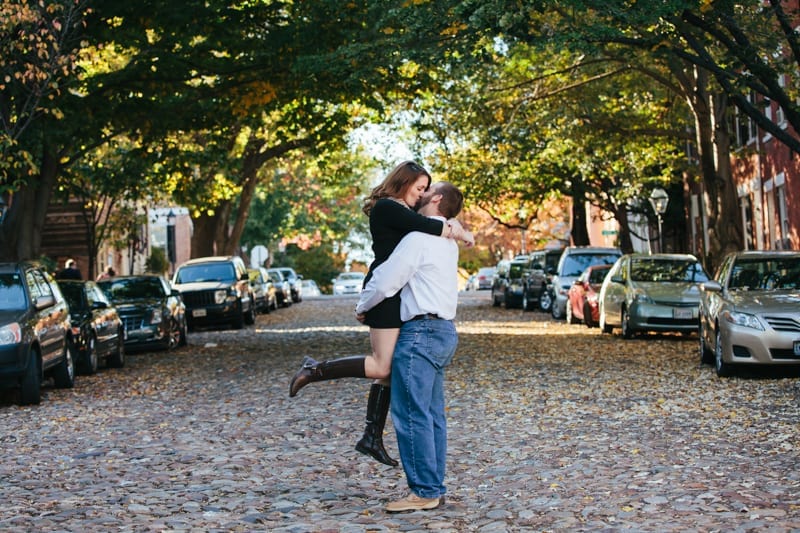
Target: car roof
(210, 259)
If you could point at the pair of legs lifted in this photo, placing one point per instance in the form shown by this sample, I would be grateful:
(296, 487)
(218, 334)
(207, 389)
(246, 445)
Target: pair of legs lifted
(377, 366)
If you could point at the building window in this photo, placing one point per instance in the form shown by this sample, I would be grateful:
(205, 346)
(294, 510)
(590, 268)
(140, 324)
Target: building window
(746, 205)
(783, 218)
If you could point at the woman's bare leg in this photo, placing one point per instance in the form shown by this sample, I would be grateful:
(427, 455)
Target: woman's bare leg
(379, 364)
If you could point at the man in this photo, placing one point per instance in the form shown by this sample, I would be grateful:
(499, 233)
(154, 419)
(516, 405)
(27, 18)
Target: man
(424, 269)
(70, 271)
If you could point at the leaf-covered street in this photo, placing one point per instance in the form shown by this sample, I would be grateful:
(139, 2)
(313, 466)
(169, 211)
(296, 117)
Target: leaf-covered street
(552, 427)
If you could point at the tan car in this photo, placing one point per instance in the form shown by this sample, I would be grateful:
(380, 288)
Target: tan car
(750, 313)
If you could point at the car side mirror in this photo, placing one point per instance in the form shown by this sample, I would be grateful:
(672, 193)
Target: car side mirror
(551, 271)
(44, 301)
(617, 279)
(711, 286)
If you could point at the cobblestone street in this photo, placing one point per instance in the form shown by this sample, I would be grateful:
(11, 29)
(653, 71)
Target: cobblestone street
(552, 427)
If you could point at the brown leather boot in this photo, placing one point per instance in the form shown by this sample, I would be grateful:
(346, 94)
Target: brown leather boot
(377, 408)
(311, 371)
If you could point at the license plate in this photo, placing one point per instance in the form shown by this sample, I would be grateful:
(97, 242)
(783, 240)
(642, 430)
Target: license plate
(797, 348)
(681, 313)
(198, 312)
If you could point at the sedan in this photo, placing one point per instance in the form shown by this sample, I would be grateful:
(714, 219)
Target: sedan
(348, 283)
(651, 292)
(310, 288)
(264, 292)
(749, 312)
(97, 332)
(582, 297)
(152, 311)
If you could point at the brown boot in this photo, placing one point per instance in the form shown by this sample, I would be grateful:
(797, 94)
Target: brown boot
(311, 371)
(377, 408)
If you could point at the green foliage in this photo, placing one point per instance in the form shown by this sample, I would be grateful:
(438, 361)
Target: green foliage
(319, 263)
(157, 263)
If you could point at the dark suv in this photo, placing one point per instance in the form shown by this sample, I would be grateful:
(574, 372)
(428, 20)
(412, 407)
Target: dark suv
(537, 278)
(35, 331)
(216, 290)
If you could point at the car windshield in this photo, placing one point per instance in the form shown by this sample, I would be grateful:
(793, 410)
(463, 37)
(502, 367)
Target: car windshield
(575, 264)
(670, 270)
(288, 273)
(12, 296)
(597, 275)
(767, 273)
(515, 271)
(206, 272)
(132, 289)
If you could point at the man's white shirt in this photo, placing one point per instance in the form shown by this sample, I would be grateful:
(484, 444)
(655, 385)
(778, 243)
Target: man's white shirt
(423, 268)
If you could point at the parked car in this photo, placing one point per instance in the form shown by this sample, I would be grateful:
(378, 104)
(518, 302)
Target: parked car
(283, 290)
(152, 312)
(652, 292)
(264, 292)
(484, 277)
(310, 288)
(749, 312)
(472, 283)
(583, 296)
(538, 277)
(348, 283)
(35, 332)
(294, 279)
(216, 291)
(499, 282)
(507, 288)
(573, 261)
(97, 331)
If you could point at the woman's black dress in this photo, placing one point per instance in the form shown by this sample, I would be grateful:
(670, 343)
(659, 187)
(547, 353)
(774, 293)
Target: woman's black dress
(389, 222)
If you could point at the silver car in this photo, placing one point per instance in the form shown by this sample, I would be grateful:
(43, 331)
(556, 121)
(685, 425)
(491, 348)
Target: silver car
(348, 283)
(651, 292)
(750, 314)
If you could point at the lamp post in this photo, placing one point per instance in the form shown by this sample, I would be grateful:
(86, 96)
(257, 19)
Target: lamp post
(171, 240)
(659, 200)
(523, 216)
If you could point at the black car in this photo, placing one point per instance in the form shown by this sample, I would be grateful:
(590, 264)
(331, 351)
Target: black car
(537, 278)
(35, 331)
(507, 285)
(294, 279)
(152, 312)
(216, 291)
(97, 332)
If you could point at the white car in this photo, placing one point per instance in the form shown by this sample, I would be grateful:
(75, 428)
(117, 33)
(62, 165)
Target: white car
(310, 288)
(348, 283)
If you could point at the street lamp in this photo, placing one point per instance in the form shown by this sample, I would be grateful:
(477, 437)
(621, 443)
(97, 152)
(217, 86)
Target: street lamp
(171, 240)
(523, 217)
(659, 200)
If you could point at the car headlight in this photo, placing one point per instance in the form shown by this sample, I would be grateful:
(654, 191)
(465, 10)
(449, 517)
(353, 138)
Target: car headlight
(10, 334)
(156, 317)
(642, 297)
(219, 296)
(742, 319)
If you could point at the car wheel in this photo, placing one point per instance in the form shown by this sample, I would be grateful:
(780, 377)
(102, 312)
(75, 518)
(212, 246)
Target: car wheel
(30, 391)
(526, 304)
(64, 372)
(555, 311)
(495, 300)
(587, 316)
(545, 301)
(89, 364)
(625, 321)
(174, 334)
(706, 353)
(183, 340)
(507, 300)
(723, 369)
(117, 357)
(250, 317)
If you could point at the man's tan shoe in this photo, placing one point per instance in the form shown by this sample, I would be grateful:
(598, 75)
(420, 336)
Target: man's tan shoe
(412, 502)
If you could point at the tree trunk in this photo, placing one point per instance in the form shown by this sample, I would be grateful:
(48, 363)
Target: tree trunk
(625, 242)
(580, 231)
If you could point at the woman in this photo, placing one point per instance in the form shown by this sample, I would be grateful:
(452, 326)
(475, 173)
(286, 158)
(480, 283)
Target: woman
(391, 217)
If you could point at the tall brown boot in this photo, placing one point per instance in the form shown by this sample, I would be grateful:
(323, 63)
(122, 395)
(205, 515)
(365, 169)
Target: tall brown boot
(377, 408)
(311, 371)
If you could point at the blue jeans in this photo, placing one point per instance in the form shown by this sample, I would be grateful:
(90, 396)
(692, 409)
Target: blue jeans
(422, 352)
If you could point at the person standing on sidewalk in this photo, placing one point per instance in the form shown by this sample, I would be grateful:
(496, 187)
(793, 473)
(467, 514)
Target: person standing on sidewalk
(390, 208)
(424, 270)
